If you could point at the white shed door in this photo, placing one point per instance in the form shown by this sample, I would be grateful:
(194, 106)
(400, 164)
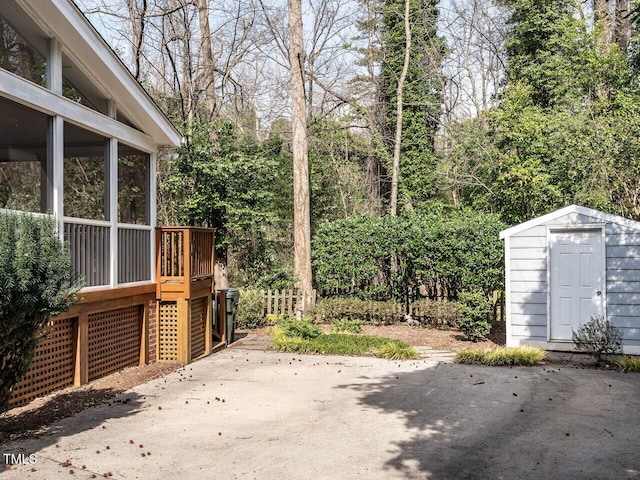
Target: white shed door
(576, 283)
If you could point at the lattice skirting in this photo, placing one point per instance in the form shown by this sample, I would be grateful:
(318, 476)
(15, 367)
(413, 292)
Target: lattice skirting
(53, 363)
(168, 330)
(114, 340)
(198, 326)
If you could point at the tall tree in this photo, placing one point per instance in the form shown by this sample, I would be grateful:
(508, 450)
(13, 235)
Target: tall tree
(299, 146)
(409, 39)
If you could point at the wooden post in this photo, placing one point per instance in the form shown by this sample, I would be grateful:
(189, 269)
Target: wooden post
(81, 373)
(144, 340)
(208, 331)
(159, 259)
(186, 255)
(184, 330)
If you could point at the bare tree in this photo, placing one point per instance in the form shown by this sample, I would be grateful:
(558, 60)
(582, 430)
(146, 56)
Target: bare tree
(301, 199)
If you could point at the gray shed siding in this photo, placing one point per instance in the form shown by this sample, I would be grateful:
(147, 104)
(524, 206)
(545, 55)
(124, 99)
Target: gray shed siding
(528, 279)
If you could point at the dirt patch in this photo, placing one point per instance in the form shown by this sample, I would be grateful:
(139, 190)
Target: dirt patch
(34, 418)
(438, 339)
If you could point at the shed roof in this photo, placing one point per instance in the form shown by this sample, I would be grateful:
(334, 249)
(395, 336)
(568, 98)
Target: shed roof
(544, 219)
(99, 64)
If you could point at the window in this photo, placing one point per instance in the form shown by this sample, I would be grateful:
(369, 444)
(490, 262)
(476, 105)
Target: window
(23, 157)
(17, 57)
(85, 167)
(133, 186)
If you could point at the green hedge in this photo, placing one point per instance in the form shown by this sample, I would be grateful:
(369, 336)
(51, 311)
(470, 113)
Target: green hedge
(394, 257)
(330, 310)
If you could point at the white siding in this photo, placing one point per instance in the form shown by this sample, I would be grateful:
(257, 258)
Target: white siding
(528, 285)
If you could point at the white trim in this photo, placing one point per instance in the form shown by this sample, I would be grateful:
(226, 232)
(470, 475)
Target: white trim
(55, 161)
(54, 66)
(112, 208)
(557, 346)
(507, 288)
(153, 212)
(99, 64)
(24, 212)
(604, 217)
(40, 99)
(134, 226)
(86, 221)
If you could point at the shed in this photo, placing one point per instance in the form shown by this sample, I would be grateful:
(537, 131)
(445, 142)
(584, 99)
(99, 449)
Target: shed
(566, 266)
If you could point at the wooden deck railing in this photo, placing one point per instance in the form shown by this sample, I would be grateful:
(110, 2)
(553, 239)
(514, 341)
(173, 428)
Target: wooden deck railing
(184, 256)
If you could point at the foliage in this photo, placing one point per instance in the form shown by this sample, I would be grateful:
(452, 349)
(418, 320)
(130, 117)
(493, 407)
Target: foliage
(225, 184)
(453, 252)
(598, 338)
(352, 309)
(342, 344)
(272, 319)
(346, 325)
(302, 328)
(422, 93)
(250, 313)
(436, 313)
(524, 356)
(35, 284)
(395, 351)
(628, 363)
(475, 312)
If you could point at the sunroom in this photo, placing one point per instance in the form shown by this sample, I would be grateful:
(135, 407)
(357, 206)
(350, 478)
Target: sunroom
(78, 139)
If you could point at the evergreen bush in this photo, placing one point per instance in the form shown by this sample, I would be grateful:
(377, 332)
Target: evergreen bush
(475, 312)
(250, 312)
(35, 284)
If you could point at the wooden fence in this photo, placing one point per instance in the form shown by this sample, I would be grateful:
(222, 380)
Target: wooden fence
(286, 302)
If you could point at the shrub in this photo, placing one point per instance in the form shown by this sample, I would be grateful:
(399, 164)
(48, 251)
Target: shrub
(332, 309)
(342, 344)
(395, 351)
(475, 312)
(629, 364)
(524, 356)
(598, 338)
(300, 328)
(346, 325)
(436, 313)
(250, 312)
(35, 284)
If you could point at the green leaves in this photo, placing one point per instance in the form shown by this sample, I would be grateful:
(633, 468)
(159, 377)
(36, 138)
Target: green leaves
(35, 283)
(394, 256)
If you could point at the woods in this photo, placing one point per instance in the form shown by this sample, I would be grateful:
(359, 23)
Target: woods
(401, 107)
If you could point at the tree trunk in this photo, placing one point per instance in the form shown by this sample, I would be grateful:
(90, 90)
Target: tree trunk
(207, 79)
(220, 269)
(301, 199)
(393, 206)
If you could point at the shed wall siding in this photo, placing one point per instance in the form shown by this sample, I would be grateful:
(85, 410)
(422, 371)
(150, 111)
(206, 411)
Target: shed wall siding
(528, 285)
(623, 281)
(528, 279)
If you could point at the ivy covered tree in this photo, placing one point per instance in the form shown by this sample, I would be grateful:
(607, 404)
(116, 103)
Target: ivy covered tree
(412, 39)
(35, 284)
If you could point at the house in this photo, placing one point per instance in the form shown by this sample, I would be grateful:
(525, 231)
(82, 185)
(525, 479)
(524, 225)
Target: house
(567, 266)
(79, 139)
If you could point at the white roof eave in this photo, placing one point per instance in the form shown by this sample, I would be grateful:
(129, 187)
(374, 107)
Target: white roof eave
(89, 51)
(605, 217)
